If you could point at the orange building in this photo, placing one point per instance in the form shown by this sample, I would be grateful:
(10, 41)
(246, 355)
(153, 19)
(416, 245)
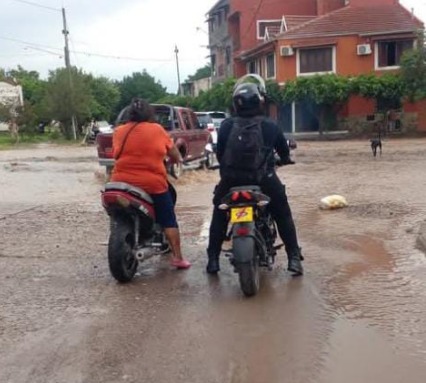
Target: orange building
(362, 37)
(239, 25)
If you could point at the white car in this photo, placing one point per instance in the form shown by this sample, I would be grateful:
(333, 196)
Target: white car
(211, 121)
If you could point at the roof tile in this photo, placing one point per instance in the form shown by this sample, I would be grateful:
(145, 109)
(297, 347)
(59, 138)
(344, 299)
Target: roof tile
(357, 20)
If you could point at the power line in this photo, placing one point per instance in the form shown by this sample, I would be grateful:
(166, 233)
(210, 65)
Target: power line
(45, 51)
(28, 43)
(38, 5)
(95, 54)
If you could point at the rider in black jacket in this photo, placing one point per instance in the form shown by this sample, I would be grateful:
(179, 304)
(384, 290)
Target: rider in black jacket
(248, 100)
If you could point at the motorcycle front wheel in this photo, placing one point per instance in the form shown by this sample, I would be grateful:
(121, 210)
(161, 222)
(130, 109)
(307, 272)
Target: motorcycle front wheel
(121, 259)
(249, 277)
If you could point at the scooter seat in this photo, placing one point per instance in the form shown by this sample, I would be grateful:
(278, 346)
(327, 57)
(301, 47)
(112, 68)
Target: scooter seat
(122, 186)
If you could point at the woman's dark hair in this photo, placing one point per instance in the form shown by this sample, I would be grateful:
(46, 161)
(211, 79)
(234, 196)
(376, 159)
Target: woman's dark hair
(141, 111)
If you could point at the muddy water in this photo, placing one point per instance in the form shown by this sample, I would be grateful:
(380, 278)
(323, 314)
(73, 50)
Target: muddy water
(358, 315)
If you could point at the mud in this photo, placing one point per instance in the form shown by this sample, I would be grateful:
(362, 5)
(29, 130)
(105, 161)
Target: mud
(358, 315)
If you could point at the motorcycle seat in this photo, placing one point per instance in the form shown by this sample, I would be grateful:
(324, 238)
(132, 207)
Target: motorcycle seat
(253, 188)
(122, 186)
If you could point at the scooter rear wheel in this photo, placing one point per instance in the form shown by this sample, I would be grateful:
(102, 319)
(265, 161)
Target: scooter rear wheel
(121, 259)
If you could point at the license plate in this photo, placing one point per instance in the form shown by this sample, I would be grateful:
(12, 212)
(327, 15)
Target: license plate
(242, 214)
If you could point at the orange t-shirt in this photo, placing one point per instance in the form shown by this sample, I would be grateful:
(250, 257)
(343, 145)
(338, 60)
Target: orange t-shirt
(141, 161)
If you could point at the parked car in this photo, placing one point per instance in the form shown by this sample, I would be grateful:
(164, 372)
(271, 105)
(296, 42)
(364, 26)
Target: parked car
(211, 121)
(189, 136)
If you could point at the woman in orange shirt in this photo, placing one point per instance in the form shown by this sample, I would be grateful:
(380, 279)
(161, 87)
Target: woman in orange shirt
(140, 162)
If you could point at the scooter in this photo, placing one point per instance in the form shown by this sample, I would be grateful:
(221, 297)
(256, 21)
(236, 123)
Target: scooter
(134, 234)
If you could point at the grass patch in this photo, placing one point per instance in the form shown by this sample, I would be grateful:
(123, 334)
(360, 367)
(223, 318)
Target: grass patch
(6, 141)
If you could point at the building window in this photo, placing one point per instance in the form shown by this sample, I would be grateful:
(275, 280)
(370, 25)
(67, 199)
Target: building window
(259, 67)
(219, 18)
(213, 58)
(228, 55)
(270, 65)
(212, 24)
(262, 25)
(316, 60)
(251, 67)
(389, 53)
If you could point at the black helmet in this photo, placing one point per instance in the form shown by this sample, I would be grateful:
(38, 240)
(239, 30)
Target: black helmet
(248, 97)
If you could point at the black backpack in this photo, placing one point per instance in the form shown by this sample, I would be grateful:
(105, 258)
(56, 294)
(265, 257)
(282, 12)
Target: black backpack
(245, 158)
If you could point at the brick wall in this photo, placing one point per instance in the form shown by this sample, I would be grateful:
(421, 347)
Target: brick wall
(270, 10)
(326, 6)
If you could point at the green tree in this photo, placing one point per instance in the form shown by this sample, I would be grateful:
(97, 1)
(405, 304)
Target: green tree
(106, 96)
(140, 84)
(68, 94)
(203, 72)
(326, 93)
(413, 72)
(33, 87)
(219, 97)
(388, 90)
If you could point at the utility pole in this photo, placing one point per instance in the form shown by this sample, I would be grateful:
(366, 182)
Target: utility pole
(68, 66)
(177, 67)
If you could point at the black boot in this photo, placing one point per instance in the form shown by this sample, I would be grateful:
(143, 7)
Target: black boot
(213, 266)
(295, 259)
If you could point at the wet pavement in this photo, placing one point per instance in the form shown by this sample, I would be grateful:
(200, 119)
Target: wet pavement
(358, 315)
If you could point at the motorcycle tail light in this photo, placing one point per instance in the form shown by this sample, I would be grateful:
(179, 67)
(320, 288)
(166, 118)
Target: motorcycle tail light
(242, 231)
(235, 196)
(246, 195)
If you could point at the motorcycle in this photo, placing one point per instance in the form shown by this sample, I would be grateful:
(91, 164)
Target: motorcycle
(253, 234)
(134, 234)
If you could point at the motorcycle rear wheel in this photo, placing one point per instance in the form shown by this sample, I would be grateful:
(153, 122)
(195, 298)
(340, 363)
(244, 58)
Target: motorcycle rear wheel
(121, 259)
(249, 278)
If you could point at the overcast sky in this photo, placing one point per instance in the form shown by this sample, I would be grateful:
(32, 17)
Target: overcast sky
(145, 30)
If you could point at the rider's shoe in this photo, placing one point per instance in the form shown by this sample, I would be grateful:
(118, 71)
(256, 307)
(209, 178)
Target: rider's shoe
(181, 264)
(213, 266)
(295, 259)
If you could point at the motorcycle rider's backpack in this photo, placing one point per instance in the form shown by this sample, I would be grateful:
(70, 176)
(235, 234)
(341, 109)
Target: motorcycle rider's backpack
(245, 158)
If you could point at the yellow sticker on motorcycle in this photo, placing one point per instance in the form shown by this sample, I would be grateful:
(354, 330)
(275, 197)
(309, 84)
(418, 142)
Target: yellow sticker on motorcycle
(242, 214)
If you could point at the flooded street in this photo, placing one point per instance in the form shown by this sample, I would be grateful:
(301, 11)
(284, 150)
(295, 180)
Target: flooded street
(358, 315)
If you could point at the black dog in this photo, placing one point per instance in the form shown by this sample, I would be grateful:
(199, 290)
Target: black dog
(376, 143)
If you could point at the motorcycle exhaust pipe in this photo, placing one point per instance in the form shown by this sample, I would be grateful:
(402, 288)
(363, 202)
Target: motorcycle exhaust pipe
(144, 254)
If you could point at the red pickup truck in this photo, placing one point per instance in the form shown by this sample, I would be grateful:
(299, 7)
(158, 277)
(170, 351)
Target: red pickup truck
(189, 136)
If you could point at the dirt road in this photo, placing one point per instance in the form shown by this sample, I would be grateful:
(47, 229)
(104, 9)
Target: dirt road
(358, 315)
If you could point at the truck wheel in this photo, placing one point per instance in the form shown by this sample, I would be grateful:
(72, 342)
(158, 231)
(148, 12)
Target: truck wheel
(176, 170)
(210, 159)
(122, 261)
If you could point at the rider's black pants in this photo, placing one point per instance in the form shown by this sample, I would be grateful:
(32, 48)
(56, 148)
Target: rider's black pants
(279, 208)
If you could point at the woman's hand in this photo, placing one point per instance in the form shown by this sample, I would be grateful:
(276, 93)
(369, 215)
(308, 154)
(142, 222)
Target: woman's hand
(175, 155)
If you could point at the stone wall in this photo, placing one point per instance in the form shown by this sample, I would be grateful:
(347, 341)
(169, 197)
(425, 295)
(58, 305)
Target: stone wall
(362, 126)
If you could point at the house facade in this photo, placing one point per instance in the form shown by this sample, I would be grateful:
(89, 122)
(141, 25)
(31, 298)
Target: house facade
(10, 96)
(362, 37)
(236, 26)
(195, 87)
